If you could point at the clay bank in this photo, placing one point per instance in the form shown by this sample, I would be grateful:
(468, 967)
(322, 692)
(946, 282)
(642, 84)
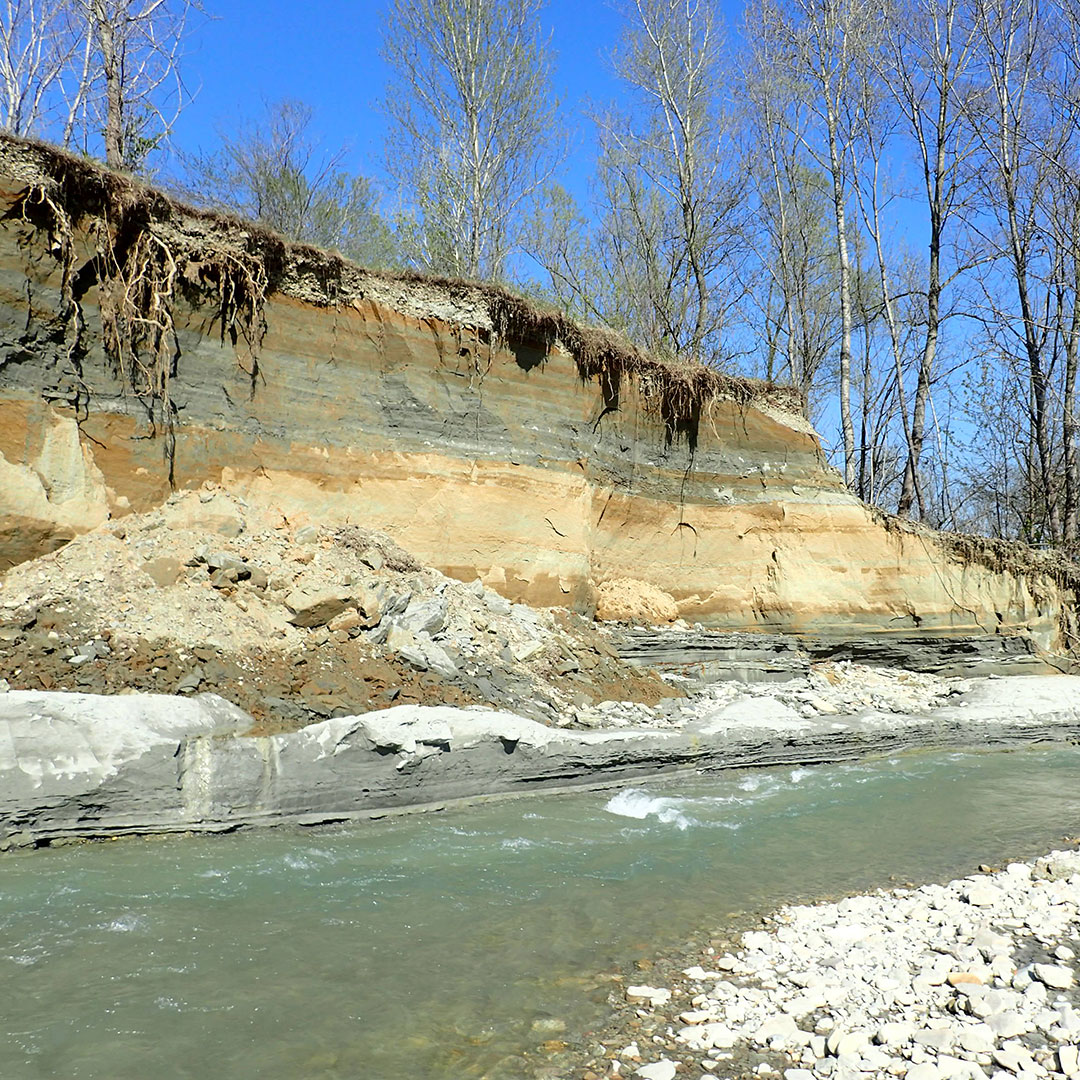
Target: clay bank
(147, 348)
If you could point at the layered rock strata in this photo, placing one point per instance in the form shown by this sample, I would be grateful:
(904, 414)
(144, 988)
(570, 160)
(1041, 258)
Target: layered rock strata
(417, 408)
(76, 765)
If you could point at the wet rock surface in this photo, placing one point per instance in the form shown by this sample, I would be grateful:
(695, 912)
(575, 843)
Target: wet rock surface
(422, 757)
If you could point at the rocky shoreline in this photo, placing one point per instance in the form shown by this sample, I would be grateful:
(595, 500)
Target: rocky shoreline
(973, 979)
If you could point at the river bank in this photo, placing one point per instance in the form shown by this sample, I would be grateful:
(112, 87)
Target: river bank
(82, 766)
(971, 979)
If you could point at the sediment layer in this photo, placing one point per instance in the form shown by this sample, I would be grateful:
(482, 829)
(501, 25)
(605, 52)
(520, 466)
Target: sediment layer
(513, 447)
(75, 765)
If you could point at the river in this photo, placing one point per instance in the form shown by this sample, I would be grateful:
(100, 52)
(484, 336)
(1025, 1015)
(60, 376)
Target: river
(447, 945)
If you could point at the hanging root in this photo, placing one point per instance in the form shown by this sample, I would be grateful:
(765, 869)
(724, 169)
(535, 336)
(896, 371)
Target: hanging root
(240, 283)
(37, 208)
(142, 262)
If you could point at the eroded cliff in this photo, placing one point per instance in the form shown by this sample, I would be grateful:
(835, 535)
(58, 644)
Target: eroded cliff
(144, 346)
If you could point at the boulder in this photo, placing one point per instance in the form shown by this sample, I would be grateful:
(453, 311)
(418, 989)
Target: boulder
(424, 616)
(310, 609)
(628, 600)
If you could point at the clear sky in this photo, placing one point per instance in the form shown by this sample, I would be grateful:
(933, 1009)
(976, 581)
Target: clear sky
(326, 54)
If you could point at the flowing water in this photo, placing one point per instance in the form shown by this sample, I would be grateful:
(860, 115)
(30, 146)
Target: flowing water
(444, 946)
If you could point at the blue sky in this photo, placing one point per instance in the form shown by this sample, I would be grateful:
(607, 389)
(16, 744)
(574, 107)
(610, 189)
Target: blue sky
(326, 54)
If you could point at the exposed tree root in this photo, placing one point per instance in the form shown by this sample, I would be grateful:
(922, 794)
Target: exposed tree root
(141, 267)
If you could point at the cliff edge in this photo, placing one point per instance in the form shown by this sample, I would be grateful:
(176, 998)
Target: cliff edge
(146, 347)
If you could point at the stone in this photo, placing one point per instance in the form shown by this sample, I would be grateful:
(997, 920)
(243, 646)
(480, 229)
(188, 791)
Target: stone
(780, 1025)
(225, 560)
(311, 609)
(1056, 976)
(1007, 1025)
(164, 571)
(982, 894)
(894, 1033)
(695, 1016)
(373, 558)
(935, 1038)
(658, 1070)
(527, 650)
(841, 1043)
(653, 995)
(436, 657)
(496, 604)
(257, 577)
(191, 681)
(924, 1072)
(350, 619)
(396, 602)
(959, 978)
(1068, 1057)
(1015, 1058)
(951, 1068)
(424, 616)
(368, 603)
(718, 1036)
(976, 1038)
(991, 944)
(804, 1004)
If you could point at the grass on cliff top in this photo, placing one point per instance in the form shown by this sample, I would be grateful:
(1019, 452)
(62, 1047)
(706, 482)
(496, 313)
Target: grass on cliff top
(154, 247)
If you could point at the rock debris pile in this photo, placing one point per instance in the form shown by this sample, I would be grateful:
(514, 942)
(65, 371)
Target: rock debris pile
(290, 621)
(832, 688)
(295, 623)
(972, 980)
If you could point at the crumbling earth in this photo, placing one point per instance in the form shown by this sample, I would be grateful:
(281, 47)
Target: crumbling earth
(293, 622)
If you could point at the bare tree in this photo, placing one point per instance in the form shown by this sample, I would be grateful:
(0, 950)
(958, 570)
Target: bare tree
(822, 44)
(1019, 136)
(127, 83)
(274, 171)
(928, 52)
(790, 231)
(35, 45)
(472, 125)
(672, 195)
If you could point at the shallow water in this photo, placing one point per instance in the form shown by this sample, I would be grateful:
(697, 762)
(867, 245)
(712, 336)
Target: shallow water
(444, 945)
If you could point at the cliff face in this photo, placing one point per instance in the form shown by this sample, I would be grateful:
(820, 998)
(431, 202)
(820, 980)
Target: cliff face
(409, 406)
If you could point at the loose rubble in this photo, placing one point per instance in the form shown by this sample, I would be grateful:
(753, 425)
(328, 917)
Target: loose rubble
(291, 621)
(295, 623)
(970, 980)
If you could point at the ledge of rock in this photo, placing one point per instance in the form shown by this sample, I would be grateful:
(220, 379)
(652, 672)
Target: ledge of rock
(75, 765)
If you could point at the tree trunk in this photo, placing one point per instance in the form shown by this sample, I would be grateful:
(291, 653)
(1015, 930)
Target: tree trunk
(105, 28)
(1072, 472)
(836, 167)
